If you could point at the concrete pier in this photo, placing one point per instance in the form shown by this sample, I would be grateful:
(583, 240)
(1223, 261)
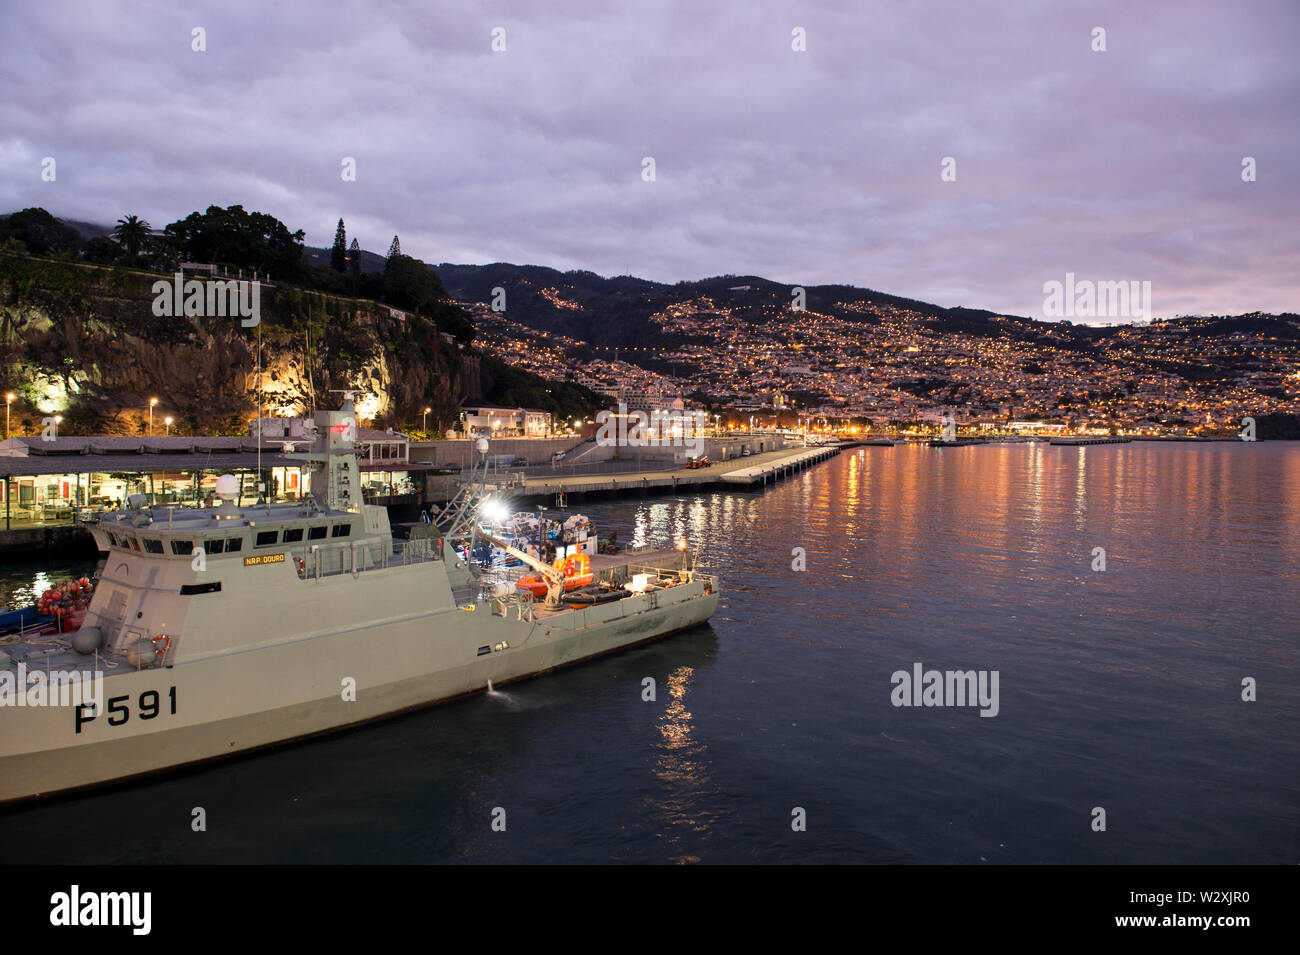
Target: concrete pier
(758, 469)
(1083, 439)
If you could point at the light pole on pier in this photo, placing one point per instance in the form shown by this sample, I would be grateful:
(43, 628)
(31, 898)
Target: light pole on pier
(152, 402)
(9, 400)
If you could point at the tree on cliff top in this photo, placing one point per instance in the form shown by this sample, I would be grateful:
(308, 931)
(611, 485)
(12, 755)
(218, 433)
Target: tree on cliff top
(411, 285)
(339, 254)
(240, 239)
(39, 232)
(354, 261)
(132, 232)
(395, 248)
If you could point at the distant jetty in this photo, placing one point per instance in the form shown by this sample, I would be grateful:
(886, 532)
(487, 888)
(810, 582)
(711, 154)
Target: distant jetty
(1089, 439)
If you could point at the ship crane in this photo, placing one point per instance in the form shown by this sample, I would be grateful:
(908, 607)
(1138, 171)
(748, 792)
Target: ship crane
(554, 578)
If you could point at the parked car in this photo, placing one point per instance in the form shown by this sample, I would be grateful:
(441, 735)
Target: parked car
(745, 452)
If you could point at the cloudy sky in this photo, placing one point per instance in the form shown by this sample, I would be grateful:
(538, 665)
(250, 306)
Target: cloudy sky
(805, 166)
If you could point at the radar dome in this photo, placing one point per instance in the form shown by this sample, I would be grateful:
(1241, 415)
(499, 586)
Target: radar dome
(482, 445)
(227, 487)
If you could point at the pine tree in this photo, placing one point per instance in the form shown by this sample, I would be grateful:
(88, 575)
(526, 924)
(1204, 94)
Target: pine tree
(354, 260)
(395, 248)
(339, 254)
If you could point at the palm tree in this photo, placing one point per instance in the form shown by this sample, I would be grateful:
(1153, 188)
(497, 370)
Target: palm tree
(132, 232)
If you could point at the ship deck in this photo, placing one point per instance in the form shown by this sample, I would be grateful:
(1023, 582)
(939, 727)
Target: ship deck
(613, 569)
(53, 653)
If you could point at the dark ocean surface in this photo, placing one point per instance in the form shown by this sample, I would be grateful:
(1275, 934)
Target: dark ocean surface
(1119, 689)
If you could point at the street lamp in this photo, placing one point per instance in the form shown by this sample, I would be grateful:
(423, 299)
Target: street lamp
(424, 422)
(9, 399)
(168, 422)
(152, 402)
(57, 419)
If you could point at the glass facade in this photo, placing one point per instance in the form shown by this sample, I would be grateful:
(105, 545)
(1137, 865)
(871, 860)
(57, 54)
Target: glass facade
(37, 500)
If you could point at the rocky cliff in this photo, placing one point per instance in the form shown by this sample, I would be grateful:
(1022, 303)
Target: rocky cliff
(84, 342)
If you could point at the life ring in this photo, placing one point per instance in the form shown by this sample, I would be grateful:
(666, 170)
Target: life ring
(167, 645)
(301, 565)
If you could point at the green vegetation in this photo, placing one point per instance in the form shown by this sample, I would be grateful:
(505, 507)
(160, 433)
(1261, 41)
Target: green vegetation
(235, 239)
(38, 232)
(132, 232)
(512, 388)
(339, 253)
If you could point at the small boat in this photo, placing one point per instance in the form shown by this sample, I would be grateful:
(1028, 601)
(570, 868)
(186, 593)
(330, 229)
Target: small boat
(589, 597)
(577, 573)
(23, 619)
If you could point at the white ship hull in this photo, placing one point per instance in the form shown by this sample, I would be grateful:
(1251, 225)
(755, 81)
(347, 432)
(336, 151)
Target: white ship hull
(236, 702)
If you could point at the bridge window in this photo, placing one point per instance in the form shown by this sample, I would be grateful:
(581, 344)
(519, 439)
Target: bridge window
(341, 530)
(183, 547)
(234, 544)
(292, 534)
(214, 546)
(267, 538)
(153, 546)
(316, 533)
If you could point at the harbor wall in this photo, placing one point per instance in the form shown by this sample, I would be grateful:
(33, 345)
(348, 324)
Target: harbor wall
(29, 542)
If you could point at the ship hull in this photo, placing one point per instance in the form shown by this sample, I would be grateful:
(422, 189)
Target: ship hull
(234, 703)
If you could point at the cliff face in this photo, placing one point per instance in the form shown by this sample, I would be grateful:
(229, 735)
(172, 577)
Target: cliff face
(82, 341)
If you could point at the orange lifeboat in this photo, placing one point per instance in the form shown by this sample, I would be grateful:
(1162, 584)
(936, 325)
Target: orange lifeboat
(576, 570)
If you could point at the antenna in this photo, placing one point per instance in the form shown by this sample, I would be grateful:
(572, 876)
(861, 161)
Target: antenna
(260, 499)
(306, 359)
(349, 395)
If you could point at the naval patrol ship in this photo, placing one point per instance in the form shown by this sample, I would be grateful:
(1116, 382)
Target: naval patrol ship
(223, 629)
